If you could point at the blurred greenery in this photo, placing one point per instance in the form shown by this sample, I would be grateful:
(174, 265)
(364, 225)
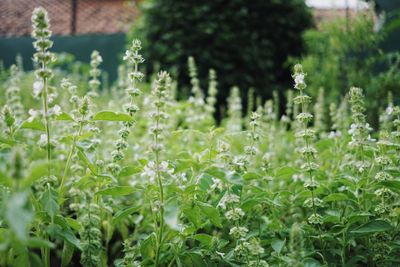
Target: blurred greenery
(341, 54)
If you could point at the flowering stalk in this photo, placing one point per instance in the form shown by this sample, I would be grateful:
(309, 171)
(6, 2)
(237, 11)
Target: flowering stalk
(42, 34)
(253, 136)
(133, 58)
(13, 94)
(234, 122)
(80, 117)
(196, 113)
(212, 92)
(95, 72)
(308, 151)
(160, 92)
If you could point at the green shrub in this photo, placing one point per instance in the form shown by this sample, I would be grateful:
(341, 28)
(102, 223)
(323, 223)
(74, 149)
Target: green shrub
(246, 42)
(341, 54)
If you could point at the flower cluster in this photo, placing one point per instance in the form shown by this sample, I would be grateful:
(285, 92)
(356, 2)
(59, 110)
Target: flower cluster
(307, 151)
(91, 236)
(95, 61)
(13, 94)
(212, 92)
(253, 135)
(196, 114)
(133, 59)
(234, 120)
(359, 130)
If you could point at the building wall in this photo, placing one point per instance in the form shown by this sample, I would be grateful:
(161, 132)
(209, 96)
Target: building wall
(92, 16)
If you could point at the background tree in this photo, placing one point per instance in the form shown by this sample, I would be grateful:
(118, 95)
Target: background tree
(246, 42)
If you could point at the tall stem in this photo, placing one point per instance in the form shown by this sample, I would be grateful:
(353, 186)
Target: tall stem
(161, 192)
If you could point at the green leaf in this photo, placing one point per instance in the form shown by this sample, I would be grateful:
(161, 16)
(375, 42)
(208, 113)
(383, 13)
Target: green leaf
(74, 224)
(64, 117)
(111, 116)
(171, 214)
(69, 236)
(86, 161)
(336, 197)
(204, 239)
(117, 191)
(67, 253)
(194, 215)
(372, 227)
(37, 170)
(49, 202)
(7, 141)
(17, 215)
(250, 176)
(122, 214)
(278, 244)
(130, 170)
(211, 212)
(285, 172)
(36, 242)
(148, 247)
(393, 185)
(35, 124)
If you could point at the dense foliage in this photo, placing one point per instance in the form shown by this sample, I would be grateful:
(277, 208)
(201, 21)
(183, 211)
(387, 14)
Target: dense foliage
(136, 178)
(344, 53)
(246, 42)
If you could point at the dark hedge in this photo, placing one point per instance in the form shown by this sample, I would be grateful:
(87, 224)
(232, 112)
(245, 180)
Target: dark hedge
(246, 41)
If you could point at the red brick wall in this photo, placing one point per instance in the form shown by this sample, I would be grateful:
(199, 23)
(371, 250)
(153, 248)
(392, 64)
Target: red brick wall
(93, 16)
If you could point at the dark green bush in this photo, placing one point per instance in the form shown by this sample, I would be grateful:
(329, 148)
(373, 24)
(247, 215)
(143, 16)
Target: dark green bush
(246, 42)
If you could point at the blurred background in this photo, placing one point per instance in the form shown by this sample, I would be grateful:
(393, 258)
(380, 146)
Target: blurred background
(251, 44)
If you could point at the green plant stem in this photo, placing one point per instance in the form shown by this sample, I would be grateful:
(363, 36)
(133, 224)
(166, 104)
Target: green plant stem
(46, 124)
(161, 193)
(46, 251)
(70, 154)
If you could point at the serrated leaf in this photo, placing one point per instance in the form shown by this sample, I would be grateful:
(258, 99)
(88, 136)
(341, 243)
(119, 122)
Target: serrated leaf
(116, 191)
(111, 116)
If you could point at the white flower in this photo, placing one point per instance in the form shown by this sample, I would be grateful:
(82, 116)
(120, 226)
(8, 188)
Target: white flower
(37, 88)
(33, 114)
(149, 171)
(228, 199)
(299, 78)
(217, 184)
(56, 110)
(234, 214)
(42, 140)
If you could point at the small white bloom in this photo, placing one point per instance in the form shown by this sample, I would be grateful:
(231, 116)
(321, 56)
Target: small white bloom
(56, 110)
(33, 114)
(299, 78)
(42, 140)
(37, 88)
